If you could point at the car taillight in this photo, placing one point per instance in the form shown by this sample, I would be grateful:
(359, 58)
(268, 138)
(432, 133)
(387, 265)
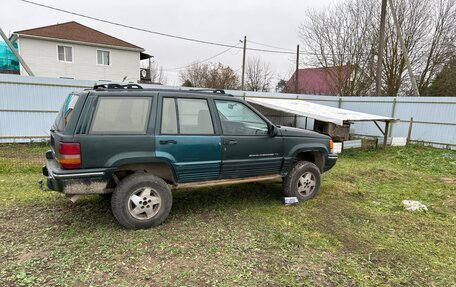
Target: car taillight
(69, 155)
(331, 145)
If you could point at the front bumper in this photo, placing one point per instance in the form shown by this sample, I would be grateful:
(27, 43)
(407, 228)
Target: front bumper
(330, 161)
(87, 181)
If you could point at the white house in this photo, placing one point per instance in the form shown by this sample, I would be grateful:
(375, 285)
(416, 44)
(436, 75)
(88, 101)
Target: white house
(72, 50)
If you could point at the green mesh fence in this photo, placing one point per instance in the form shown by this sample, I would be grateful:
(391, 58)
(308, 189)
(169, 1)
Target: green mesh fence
(17, 157)
(8, 60)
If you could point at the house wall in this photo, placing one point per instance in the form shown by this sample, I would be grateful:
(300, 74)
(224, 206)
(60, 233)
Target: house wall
(41, 56)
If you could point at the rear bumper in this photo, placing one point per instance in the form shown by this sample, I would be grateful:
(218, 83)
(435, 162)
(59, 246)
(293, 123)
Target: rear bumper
(330, 161)
(87, 181)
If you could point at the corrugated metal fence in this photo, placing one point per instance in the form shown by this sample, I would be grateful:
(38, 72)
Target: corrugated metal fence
(28, 106)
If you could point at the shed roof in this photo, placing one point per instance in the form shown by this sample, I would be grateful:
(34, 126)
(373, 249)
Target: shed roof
(74, 31)
(316, 111)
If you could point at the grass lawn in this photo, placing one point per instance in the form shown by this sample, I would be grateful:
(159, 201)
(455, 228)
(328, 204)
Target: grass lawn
(353, 233)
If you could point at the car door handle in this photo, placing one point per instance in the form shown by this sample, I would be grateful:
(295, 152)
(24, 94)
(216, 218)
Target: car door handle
(230, 142)
(168, 142)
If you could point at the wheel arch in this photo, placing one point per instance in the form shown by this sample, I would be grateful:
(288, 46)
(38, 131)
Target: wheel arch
(161, 169)
(316, 157)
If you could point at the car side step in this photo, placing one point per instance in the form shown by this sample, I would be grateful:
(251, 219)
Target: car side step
(225, 181)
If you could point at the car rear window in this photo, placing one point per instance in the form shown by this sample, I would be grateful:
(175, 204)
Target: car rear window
(66, 112)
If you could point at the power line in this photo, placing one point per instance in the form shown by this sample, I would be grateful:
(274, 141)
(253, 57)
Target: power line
(285, 51)
(270, 46)
(149, 31)
(205, 60)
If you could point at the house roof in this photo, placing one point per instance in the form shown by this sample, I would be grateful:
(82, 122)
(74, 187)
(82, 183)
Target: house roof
(317, 81)
(74, 31)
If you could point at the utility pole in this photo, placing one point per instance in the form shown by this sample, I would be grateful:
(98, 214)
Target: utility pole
(381, 44)
(297, 70)
(243, 63)
(21, 60)
(404, 49)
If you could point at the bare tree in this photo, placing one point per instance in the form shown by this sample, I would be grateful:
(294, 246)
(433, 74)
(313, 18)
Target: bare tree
(258, 75)
(157, 75)
(428, 30)
(195, 75)
(215, 76)
(341, 38)
(347, 35)
(439, 43)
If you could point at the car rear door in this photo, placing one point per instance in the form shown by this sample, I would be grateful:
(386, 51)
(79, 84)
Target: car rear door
(188, 139)
(116, 129)
(247, 148)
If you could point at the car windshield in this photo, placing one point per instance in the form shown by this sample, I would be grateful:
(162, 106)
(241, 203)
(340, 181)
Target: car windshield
(65, 113)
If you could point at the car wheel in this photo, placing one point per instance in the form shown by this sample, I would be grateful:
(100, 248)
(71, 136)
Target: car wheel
(141, 201)
(303, 181)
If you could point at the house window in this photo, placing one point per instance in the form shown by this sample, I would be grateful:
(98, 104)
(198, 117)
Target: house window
(103, 57)
(65, 53)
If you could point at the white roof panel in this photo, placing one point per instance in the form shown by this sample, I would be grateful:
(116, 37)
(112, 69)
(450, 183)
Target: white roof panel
(315, 111)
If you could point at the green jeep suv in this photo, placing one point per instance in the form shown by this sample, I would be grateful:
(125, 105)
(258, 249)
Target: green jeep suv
(138, 144)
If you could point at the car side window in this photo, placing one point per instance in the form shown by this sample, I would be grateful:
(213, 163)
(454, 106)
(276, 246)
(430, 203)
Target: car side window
(238, 119)
(169, 117)
(119, 115)
(192, 117)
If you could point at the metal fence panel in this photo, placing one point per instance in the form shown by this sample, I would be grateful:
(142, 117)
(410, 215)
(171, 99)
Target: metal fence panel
(28, 106)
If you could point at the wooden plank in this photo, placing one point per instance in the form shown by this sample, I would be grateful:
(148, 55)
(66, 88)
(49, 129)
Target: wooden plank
(385, 134)
(381, 130)
(409, 134)
(225, 181)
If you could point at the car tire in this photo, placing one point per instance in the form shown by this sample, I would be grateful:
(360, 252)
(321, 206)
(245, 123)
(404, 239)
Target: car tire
(141, 201)
(302, 181)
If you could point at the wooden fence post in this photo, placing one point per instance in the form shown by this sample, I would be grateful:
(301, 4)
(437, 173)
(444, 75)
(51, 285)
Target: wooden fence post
(409, 134)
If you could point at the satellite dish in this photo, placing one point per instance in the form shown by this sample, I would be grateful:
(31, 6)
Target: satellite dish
(143, 73)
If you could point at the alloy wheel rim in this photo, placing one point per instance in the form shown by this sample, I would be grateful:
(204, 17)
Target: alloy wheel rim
(144, 203)
(306, 183)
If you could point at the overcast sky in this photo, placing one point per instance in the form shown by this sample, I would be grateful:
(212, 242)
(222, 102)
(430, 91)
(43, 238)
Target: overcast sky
(270, 22)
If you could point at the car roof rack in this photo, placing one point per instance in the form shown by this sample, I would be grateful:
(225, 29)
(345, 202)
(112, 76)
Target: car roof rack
(117, 86)
(215, 91)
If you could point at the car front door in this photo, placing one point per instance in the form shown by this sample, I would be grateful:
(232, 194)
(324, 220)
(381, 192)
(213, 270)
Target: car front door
(187, 139)
(247, 147)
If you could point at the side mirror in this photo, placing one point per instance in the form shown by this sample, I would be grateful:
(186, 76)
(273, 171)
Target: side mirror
(273, 131)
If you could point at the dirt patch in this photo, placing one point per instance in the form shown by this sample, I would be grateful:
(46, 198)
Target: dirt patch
(381, 173)
(337, 219)
(31, 255)
(449, 179)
